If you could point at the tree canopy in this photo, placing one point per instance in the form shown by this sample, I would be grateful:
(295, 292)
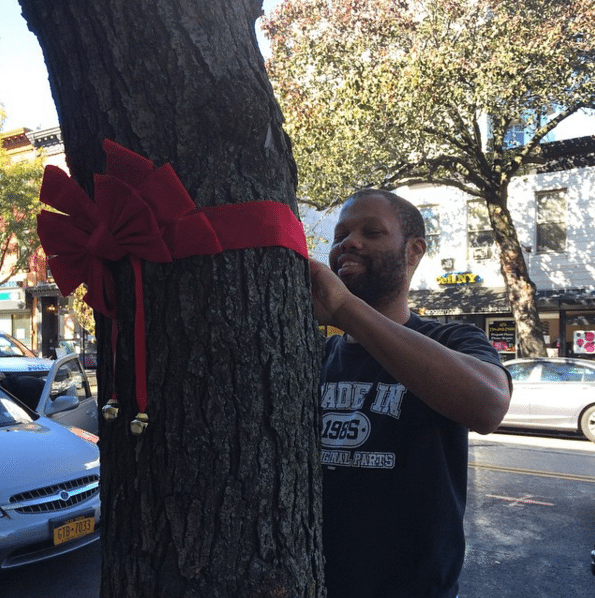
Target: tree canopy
(19, 204)
(384, 93)
(378, 92)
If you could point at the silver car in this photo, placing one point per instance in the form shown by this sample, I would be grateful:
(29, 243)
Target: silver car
(49, 486)
(552, 394)
(58, 389)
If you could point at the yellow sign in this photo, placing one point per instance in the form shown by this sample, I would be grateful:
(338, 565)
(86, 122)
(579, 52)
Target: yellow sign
(73, 529)
(459, 278)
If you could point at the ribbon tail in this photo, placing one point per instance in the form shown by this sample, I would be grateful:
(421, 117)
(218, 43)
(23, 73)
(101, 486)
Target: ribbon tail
(140, 348)
(114, 340)
(101, 290)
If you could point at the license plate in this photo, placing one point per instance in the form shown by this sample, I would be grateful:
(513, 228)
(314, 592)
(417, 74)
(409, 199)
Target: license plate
(66, 531)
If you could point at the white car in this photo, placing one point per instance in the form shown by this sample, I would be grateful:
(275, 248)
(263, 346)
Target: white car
(58, 389)
(552, 394)
(49, 486)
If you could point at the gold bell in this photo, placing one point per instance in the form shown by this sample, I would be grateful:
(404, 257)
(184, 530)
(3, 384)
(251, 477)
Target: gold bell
(139, 425)
(110, 410)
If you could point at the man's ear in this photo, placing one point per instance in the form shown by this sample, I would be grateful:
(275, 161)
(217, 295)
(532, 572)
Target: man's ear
(416, 248)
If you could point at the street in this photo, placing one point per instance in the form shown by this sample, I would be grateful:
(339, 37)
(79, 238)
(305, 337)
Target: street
(530, 527)
(530, 520)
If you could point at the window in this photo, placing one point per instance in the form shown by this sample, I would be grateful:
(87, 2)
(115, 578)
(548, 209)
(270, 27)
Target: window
(514, 136)
(69, 380)
(432, 223)
(479, 231)
(562, 372)
(551, 221)
(521, 372)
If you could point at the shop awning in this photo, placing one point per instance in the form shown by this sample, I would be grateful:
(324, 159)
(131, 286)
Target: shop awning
(44, 289)
(467, 299)
(568, 299)
(457, 300)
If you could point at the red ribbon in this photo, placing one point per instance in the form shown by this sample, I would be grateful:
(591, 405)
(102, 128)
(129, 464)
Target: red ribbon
(188, 230)
(146, 214)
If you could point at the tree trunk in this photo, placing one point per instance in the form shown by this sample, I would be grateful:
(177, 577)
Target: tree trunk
(220, 497)
(520, 288)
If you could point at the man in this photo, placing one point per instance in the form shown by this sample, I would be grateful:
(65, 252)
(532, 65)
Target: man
(398, 396)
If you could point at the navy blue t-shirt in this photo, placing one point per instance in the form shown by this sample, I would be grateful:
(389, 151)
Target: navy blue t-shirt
(394, 474)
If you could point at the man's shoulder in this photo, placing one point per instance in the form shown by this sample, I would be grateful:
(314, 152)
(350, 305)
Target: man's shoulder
(431, 327)
(459, 336)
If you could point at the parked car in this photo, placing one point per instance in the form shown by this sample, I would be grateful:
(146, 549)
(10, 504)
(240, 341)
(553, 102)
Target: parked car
(552, 394)
(10, 346)
(87, 353)
(58, 389)
(49, 486)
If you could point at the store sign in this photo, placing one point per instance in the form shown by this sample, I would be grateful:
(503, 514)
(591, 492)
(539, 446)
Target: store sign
(502, 335)
(10, 296)
(458, 278)
(458, 311)
(584, 341)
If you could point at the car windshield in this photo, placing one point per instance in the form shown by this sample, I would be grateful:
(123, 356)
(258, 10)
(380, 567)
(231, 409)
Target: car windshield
(11, 413)
(11, 347)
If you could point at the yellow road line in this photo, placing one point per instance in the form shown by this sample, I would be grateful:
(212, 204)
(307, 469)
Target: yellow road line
(534, 472)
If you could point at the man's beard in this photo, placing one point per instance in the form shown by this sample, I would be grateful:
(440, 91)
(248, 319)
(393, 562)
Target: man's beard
(383, 278)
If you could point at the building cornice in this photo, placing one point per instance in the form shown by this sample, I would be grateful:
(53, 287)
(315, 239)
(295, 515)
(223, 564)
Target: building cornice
(567, 154)
(15, 140)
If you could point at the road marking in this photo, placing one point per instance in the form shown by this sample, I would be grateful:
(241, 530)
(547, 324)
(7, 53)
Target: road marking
(524, 500)
(544, 474)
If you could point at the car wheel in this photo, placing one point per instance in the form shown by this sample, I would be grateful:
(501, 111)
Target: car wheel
(588, 423)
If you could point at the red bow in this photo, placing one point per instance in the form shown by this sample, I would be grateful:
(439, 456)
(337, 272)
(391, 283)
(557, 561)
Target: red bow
(88, 233)
(145, 214)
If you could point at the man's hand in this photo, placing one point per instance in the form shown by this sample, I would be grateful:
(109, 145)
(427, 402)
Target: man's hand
(328, 293)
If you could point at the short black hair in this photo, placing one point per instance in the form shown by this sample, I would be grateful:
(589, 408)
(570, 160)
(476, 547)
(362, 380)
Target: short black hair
(412, 222)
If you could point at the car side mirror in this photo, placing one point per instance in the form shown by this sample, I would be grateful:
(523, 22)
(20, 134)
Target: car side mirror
(62, 403)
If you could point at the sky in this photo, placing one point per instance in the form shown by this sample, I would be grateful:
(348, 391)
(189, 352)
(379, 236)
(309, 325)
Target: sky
(24, 87)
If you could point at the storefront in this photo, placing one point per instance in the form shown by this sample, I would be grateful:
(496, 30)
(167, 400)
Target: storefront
(567, 317)
(569, 321)
(15, 311)
(45, 318)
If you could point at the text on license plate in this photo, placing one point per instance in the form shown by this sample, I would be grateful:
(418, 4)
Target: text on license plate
(73, 529)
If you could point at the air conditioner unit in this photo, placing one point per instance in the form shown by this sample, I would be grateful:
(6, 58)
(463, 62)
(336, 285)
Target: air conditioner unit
(447, 263)
(481, 253)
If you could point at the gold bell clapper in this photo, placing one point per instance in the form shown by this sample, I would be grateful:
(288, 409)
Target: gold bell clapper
(139, 425)
(110, 410)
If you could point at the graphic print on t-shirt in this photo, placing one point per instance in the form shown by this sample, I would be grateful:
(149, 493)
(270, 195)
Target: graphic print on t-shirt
(345, 427)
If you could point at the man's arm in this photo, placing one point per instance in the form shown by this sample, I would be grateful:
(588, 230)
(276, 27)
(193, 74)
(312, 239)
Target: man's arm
(458, 386)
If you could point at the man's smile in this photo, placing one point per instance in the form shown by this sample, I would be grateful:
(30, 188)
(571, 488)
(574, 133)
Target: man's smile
(348, 264)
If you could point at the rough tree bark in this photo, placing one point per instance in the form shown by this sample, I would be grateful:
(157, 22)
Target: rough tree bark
(519, 286)
(220, 496)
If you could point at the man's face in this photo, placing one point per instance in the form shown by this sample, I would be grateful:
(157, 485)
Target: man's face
(369, 253)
